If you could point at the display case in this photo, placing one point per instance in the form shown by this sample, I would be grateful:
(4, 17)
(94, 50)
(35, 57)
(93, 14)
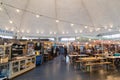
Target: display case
(21, 65)
(17, 50)
(3, 71)
(4, 57)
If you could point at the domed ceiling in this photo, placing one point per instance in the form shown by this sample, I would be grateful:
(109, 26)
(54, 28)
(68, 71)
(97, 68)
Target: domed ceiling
(60, 17)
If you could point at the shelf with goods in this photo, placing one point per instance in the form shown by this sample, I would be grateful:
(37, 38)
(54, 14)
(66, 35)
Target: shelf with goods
(3, 71)
(4, 57)
(20, 66)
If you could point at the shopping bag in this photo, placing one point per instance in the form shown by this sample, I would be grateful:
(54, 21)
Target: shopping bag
(67, 59)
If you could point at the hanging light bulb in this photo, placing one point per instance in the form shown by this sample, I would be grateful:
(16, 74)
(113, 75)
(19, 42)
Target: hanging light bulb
(72, 24)
(67, 32)
(18, 31)
(12, 29)
(57, 21)
(111, 26)
(98, 29)
(50, 32)
(10, 21)
(105, 27)
(0, 9)
(54, 32)
(22, 31)
(37, 32)
(109, 29)
(76, 31)
(28, 31)
(42, 32)
(89, 39)
(91, 30)
(119, 30)
(37, 16)
(86, 27)
(6, 28)
(17, 10)
(81, 31)
(63, 32)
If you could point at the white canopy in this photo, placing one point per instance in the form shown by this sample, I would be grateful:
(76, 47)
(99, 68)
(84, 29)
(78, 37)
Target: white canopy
(38, 17)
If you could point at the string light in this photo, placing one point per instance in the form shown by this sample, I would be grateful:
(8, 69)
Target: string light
(0, 9)
(111, 26)
(67, 32)
(76, 31)
(10, 21)
(105, 27)
(89, 39)
(12, 29)
(54, 32)
(109, 29)
(18, 31)
(72, 24)
(17, 10)
(37, 16)
(91, 30)
(28, 31)
(86, 27)
(63, 32)
(6, 28)
(37, 32)
(42, 32)
(81, 31)
(50, 32)
(57, 21)
(97, 29)
(22, 31)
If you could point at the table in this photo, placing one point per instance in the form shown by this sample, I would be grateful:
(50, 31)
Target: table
(80, 55)
(75, 56)
(98, 55)
(89, 59)
(113, 59)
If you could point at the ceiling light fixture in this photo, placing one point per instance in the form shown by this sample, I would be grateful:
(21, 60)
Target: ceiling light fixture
(72, 24)
(12, 29)
(10, 21)
(28, 31)
(81, 31)
(42, 32)
(109, 29)
(0, 9)
(54, 32)
(6, 28)
(67, 32)
(63, 32)
(76, 31)
(37, 16)
(57, 21)
(22, 31)
(111, 26)
(18, 31)
(86, 27)
(37, 32)
(17, 10)
(91, 30)
(50, 32)
(105, 27)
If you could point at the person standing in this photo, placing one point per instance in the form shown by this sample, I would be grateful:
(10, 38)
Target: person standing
(62, 52)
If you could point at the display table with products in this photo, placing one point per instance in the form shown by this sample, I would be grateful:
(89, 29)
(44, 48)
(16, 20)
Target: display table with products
(21, 65)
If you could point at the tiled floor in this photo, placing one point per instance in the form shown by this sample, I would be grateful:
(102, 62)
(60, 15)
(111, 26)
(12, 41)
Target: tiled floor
(58, 70)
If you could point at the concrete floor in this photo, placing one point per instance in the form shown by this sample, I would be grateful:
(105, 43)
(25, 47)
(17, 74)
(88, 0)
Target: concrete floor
(59, 70)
